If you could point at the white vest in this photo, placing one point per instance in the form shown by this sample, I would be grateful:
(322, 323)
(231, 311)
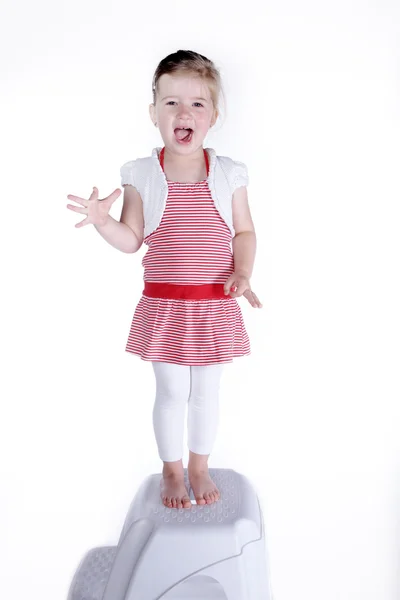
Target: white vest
(147, 176)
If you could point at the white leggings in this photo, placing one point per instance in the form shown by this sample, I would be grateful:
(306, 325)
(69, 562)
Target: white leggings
(176, 387)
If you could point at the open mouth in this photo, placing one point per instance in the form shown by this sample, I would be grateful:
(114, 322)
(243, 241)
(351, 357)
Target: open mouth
(183, 134)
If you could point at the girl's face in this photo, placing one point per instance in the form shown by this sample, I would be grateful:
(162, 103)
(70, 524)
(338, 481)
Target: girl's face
(184, 112)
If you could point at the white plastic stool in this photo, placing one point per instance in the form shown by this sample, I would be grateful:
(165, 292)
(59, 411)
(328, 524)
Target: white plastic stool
(212, 552)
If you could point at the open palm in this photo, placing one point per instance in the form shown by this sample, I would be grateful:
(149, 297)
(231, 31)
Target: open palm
(96, 209)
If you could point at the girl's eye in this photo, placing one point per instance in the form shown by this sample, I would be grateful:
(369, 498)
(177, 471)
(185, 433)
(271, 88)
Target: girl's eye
(196, 103)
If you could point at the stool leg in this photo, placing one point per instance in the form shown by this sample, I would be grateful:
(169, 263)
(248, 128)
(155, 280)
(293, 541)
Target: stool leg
(244, 577)
(229, 574)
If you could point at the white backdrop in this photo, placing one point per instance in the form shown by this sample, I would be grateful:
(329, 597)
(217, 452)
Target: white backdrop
(312, 417)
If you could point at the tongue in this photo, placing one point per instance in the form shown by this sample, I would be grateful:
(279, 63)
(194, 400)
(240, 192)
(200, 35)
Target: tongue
(181, 134)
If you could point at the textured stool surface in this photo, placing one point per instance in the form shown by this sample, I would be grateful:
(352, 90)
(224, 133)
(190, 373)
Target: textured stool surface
(237, 500)
(92, 576)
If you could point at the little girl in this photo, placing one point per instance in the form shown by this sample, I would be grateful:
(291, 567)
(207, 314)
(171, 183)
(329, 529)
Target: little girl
(190, 207)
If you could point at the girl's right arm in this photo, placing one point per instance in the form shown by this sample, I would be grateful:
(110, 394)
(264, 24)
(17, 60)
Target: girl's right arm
(127, 233)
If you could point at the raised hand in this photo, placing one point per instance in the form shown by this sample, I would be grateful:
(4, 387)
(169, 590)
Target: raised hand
(96, 209)
(239, 285)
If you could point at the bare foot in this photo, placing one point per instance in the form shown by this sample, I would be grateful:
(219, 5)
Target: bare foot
(204, 489)
(173, 491)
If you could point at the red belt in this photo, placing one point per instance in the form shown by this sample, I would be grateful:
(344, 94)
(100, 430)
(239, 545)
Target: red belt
(208, 291)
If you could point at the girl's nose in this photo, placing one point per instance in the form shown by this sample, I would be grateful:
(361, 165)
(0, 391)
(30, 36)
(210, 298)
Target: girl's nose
(184, 111)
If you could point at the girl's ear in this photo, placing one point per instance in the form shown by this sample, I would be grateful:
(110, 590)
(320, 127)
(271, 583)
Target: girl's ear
(152, 111)
(214, 118)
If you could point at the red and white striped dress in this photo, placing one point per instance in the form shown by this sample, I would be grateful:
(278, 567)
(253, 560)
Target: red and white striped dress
(191, 246)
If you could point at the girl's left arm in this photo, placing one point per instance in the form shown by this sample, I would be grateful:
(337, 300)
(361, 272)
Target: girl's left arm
(244, 243)
(244, 249)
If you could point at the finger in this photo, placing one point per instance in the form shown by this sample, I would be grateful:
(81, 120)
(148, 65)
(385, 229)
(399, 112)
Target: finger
(77, 199)
(259, 305)
(242, 288)
(77, 209)
(250, 297)
(233, 292)
(95, 194)
(82, 223)
(113, 196)
(228, 285)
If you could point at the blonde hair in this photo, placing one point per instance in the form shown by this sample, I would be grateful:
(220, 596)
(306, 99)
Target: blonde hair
(191, 63)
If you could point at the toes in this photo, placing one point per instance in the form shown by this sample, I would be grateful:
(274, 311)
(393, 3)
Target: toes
(186, 502)
(214, 495)
(200, 500)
